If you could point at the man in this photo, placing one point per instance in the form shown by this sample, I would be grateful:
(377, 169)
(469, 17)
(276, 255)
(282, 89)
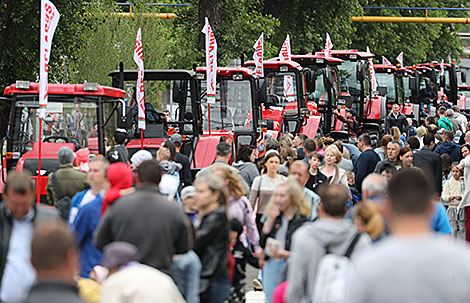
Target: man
(119, 152)
(393, 149)
(88, 217)
(349, 121)
(460, 118)
(299, 170)
(54, 258)
(366, 162)
(185, 173)
(129, 281)
(395, 118)
(70, 180)
(310, 241)
(18, 215)
(98, 184)
(310, 147)
(455, 123)
(467, 137)
(413, 264)
(429, 161)
(223, 151)
(444, 121)
(449, 147)
(374, 187)
(146, 219)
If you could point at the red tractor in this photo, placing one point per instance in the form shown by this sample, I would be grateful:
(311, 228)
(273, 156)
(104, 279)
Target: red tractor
(78, 115)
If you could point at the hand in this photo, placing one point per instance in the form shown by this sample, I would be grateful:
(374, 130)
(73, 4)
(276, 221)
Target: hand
(335, 112)
(261, 259)
(458, 198)
(274, 213)
(281, 254)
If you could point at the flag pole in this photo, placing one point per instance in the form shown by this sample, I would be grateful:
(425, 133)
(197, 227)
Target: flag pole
(208, 104)
(141, 138)
(38, 182)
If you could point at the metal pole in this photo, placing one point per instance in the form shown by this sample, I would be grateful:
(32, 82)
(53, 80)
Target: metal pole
(409, 19)
(38, 181)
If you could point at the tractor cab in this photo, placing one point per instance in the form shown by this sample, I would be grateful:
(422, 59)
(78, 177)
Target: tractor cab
(78, 116)
(177, 92)
(464, 98)
(234, 116)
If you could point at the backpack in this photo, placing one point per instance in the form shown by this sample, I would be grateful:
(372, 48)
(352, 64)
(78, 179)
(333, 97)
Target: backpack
(62, 201)
(334, 275)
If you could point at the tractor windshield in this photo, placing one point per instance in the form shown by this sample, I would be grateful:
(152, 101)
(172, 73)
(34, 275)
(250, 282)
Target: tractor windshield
(72, 120)
(232, 107)
(281, 88)
(348, 79)
(387, 80)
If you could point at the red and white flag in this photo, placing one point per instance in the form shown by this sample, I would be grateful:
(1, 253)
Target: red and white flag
(328, 46)
(373, 80)
(442, 67)
(385, 61)
(211, 61)
(400, 58)
(49, 19)
(289, 88)
(258, 56)
(285, 53)
(140, 94)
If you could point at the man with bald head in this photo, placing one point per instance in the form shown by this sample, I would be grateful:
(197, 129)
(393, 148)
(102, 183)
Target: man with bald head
(393, 149)
(374, 187)
(299, 170)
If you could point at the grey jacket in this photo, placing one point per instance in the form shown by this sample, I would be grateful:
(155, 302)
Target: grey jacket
(248, 171)
(308, 248)
(217, 163)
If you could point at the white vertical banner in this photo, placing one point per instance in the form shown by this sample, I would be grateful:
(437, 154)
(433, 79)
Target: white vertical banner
(285, 53)
(289, 88)
(373, 80)
(328, 46)
(258, 56)
(385, 61)
(400, 58)
(211, 61)
(441, 89)
(140, 94)
(49, 19)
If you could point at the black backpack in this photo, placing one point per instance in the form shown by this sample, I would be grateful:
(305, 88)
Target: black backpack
(63, 202)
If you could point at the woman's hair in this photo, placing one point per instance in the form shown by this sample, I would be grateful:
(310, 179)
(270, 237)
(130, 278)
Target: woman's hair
(446, 162)
(368, 212)
(404, 150)
(385, 140)
(216, 185)
(395, 132)
(339, 145)
(302, 137)
(171, 147)
(272, 153)
(288, 155)
(332, 148)
(319, 143)
(234, 186)
(244, 152)
(296, 195)
(327, 141)
(420, 131)
(286, 141)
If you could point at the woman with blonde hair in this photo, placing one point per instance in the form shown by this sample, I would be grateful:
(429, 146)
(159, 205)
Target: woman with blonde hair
(330, 169)
(286, 212)
(211, 243)
(368, 219)
(395, 133)
(239, 206)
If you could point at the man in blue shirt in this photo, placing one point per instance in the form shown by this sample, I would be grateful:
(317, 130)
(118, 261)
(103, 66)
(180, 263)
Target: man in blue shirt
(366, 162)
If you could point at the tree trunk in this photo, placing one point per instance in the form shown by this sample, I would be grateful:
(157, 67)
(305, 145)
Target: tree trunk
(212, 10)
(5, 26)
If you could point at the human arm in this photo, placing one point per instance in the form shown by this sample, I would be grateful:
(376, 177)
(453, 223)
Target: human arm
(252, 260)
(208, 230)
(360, 171)
(181, 240)
(251, 229)
(254, 194)
(186, 173)
(446, 194)
(103, 234)
(50, 191)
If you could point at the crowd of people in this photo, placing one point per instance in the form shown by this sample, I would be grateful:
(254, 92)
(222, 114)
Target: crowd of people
(322, 220)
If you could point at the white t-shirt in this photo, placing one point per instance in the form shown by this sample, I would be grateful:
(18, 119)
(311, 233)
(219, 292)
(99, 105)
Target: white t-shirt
(424, 268)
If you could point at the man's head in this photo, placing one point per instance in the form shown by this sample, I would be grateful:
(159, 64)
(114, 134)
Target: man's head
(393, 149)
(177, 140)
(97, 173)
(149, 173)
(450, 113)
(163, 154)
(310, 146)
(467, 137)
(374, 185)
(299, 169)
(18, 194)
(53, 252)
(395, 109)
(222, 151)
(409, 194)
(333, 201)
(118, 254)
(432, 129)
(442, 111)
(350, 113)
(363, 142)
(272, 144)
(139, 157)
(456, 109)
(429, 120)
(120, 136)
(448, 136)
(187, 196)
(65, 155)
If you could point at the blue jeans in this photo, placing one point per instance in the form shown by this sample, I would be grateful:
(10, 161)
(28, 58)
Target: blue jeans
(186, 271)
(274, 273)
(218, 291)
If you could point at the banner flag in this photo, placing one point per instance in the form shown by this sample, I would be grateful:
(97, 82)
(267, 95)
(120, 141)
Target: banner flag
(258, 56)
(385, 61)
(373, 80)
(328, 46)
(400, 58)
(285, 53)
(211, 61)
(140, 94)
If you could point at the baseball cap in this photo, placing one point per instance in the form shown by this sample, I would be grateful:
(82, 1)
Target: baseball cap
(176, 138)
(141, 156)
(188, 192)
(119, 253)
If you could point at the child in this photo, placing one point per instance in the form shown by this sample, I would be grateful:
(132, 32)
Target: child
(190, 208)
(388, 171)
(316, 177)
(356, 196)
(239, 255)
(452, 195)
(171, 177)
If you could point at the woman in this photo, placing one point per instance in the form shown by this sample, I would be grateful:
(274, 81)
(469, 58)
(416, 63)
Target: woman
(382, 149)
(330, 169)
(239, 206)
(465, 202)
(287, 211)
(368, 219)
(264, 186)
(298, 144)
(395, 132)
(406, 157)
(211, 243)
(244, 163)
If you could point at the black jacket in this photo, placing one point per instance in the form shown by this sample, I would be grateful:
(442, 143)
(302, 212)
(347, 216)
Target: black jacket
(430, 163)
(315, 181)
(365, 165)
(185, 172)
(54, 292)
(295, 223)
(211, 246)
(399, 121)
(242, 255)
(6, 224)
